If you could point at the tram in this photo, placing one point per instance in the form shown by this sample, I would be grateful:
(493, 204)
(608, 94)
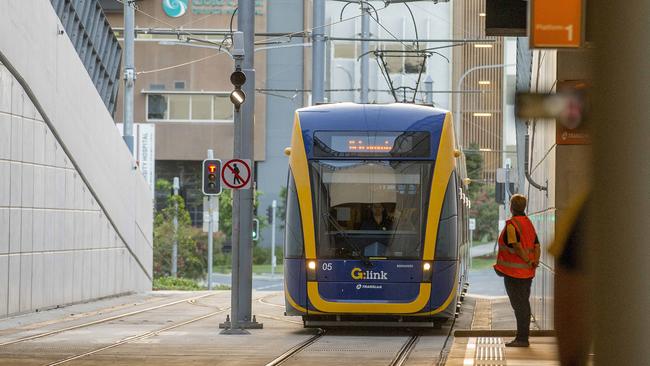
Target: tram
(376, 219)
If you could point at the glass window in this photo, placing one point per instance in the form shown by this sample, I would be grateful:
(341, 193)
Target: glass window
(376, 144)
(157, 106)
(447, 239)
(179, 106)
(412, 64)
(293, 233)
(370, 208)
(223, 109)
(202, 107)
(344, 50)
(394, 60)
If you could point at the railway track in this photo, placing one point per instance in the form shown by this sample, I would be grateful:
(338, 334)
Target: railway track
(103, 320)
(398, 360)
(152, 333)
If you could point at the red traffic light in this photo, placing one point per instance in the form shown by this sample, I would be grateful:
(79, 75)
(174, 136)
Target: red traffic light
(211, 183)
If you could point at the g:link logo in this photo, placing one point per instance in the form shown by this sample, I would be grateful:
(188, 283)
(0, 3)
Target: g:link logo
(359, 274)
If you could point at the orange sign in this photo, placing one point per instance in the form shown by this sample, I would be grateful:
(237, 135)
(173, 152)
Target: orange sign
(556, 23)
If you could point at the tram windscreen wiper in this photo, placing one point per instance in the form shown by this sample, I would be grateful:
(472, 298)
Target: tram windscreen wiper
(340, 231)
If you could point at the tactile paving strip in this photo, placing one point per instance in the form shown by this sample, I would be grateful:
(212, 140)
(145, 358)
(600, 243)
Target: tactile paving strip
(490, 351)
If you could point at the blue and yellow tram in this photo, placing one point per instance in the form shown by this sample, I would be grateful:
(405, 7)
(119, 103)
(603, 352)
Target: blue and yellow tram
(376, 216)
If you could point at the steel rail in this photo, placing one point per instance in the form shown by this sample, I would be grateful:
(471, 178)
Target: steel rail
(137, 337)
(296, 349)
(150, 333)
(404, 352)
(104, 320)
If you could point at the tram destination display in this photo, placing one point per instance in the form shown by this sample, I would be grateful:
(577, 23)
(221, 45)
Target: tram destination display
(380, 143)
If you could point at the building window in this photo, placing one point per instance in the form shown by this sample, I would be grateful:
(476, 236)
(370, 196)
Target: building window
(202, 107)
(187, 107)
(179, 107)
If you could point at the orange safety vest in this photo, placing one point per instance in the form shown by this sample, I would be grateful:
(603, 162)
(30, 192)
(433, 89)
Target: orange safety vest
(508, 262)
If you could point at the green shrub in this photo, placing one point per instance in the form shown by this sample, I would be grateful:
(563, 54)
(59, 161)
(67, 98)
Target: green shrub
(171, 283)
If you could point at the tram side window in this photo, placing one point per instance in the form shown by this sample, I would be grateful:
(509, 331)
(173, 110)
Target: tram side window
(294, 242)
(447, 243)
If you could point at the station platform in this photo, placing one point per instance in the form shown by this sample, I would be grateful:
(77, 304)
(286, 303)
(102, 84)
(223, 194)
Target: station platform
(487, 324)
(168, 328)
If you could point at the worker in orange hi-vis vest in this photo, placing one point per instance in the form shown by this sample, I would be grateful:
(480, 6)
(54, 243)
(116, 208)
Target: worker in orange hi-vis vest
(516, 262)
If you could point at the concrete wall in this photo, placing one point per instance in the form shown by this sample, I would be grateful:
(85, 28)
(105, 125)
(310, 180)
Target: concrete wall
(564, 168)
(75, 213)
(542, 207)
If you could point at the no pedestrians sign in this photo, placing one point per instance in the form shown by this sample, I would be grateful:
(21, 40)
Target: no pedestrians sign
(237, 174)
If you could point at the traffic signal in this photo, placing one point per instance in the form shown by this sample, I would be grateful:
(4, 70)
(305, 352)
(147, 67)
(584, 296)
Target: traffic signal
(211, 181)
(237, 97)
(269, 214)
(256, 229)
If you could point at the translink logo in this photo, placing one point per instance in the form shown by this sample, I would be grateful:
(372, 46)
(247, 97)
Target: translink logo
(359, 274)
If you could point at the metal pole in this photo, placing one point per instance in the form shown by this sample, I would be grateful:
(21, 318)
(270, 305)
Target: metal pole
(365, 60)
(242, 211)
(210, 232)
(274, 205)
(328, 65)
(176, 186)
(621, 175)
(318, 53)
(457, 115)
(129, 72)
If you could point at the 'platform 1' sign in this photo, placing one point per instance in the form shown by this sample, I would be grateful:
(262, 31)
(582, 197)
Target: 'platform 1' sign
(556, 23)
(237, 174)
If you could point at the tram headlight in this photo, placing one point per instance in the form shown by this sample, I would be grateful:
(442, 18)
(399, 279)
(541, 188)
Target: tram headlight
(427, 271)
(311, 272)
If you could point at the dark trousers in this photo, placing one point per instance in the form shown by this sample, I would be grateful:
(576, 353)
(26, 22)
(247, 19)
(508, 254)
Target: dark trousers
(518, 290)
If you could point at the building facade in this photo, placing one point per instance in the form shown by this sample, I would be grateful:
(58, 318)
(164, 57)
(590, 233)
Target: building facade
(75, 212)
(478, 94)
(183, 85)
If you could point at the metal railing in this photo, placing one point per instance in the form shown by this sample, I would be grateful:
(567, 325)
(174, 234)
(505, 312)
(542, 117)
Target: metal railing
(93, 39)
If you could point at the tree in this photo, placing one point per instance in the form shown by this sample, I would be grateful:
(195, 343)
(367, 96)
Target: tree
(484, 206)
(191, 258)
(225, 212)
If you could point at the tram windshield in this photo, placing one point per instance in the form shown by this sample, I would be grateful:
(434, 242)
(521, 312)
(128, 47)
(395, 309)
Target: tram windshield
(370, 208)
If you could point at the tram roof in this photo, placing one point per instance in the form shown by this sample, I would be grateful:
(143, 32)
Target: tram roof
(373, 117)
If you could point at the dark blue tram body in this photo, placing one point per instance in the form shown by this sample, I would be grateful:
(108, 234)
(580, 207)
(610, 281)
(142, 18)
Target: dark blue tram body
(376, 227)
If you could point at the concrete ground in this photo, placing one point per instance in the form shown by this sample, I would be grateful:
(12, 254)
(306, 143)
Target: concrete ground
(168, 328)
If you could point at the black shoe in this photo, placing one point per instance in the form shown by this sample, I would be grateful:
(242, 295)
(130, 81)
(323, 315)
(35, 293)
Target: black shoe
(518, 343)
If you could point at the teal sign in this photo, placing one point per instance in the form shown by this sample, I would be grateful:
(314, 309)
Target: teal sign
(174, 8)
(226, 7)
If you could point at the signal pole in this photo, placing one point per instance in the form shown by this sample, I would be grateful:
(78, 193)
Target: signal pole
(129, 71)
(176, 186)
(365, 59)
(318, 53)
(242, 210)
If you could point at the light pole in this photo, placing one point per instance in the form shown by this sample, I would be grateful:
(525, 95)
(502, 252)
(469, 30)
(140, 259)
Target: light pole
(459, 122)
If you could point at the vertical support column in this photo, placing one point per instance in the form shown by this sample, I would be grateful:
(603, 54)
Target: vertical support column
(620, 201)
(365, 45)
(242, 212)
(176, 186)
(318, 53)
(274, 206)
(129, 72)
(210, 232)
